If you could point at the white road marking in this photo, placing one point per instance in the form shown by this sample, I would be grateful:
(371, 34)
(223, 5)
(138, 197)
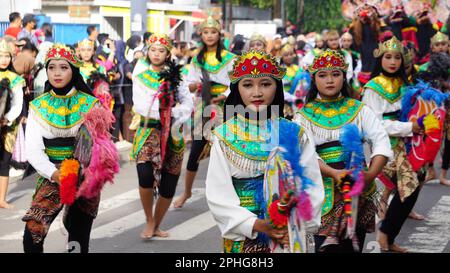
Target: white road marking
(134, 220)
(434, 235)
(105, 206)
(191, 228)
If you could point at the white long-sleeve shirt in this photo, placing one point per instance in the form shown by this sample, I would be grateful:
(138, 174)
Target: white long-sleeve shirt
(16, 102)
(380, 106)
(236, 222)
(145, 97)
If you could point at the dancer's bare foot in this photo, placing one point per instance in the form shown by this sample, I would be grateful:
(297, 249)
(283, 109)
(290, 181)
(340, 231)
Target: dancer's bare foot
(383, 241)
(161, 233)
(444, 182)
(148, 232)
(5, 205)
(414, 215)
(181, 200)
(398, 249)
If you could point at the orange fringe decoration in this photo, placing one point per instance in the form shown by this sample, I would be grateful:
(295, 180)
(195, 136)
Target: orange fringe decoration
(68, 180)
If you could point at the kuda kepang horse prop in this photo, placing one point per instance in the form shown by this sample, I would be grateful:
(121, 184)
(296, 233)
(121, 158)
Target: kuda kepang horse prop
(424, 105)
(285, 195)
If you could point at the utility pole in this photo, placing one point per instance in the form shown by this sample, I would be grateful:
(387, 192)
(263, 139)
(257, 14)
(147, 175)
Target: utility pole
(224, 12)
(139, 16)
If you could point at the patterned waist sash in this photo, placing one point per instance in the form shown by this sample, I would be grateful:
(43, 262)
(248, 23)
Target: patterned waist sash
(331, 154)
(59, 148)
(250, 192)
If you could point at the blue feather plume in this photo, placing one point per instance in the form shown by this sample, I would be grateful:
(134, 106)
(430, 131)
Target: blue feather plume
(353, 149)
(425, 91)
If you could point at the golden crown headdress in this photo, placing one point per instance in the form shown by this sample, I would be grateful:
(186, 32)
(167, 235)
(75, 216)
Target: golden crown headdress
(256, 64)
(258, 37)
(328, 60)
(160, 39)
(86, 43)
(392, 44)
(62, 52)
(438, 38)
(210, 22)
(6, 47)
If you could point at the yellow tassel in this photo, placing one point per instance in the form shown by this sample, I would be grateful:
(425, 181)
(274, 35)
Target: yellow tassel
(431, 122)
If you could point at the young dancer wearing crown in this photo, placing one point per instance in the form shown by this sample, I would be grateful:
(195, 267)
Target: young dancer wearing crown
(11, 100)
(70, 173)
(208, 78)
(244, 182)
(334, 118)
(288, 57)
(158, 166)
(383, 93)
(439, 43)
(94, 73)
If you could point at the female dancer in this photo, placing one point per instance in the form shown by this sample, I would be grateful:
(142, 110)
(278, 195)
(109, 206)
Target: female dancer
(328, 113)
(383, 94)
(158, 166)
(54, 122)
(240, 169)
(11, 100)
(208, 77)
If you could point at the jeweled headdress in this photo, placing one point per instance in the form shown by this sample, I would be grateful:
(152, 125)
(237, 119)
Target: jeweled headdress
(6, 47)
(161, 39)
(86, 43)
(255, 64)
(258, 37)
(438, 38)
(392, 44)
(62, 52)
(210, 22)
(328, 60)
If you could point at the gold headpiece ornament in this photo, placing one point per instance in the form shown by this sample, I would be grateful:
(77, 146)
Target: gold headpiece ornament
(258, 37)
(287, 48)
(210, 22)
(6, 47)
(62, 52)
(256, 64)
(160, 39)
(438, 38)
(392, 44)
(86, 43)
(328, 60)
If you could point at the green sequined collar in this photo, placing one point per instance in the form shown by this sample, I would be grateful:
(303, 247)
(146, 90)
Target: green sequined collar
(388, 88)
(63, 112)
(13, 78)
(245, 137)
(212, 65)
(149, 77)
(331, 114)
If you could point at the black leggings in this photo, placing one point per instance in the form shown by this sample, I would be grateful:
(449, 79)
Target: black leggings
(446, 154)
(345, 246)
(397, 214)
(78, 225)
(196, 150)
(5, 162)
(168, 183)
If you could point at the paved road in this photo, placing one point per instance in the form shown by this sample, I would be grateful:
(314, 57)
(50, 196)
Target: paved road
(192, 228)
